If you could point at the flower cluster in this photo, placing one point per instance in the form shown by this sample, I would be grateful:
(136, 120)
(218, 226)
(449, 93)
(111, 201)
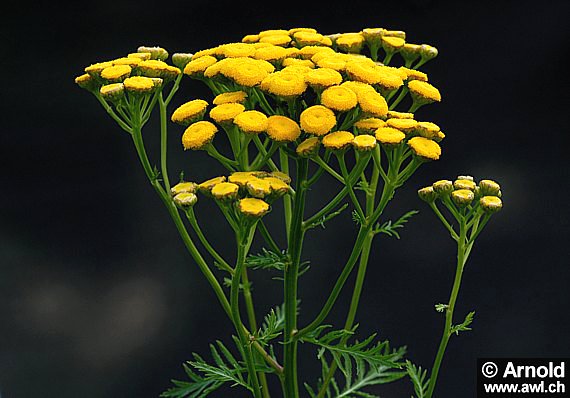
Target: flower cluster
(251, 192)
(465, 193)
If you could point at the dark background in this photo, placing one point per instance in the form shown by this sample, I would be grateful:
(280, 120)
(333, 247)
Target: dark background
(98, 297)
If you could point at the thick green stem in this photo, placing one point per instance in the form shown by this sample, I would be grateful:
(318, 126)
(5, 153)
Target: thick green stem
(461, 260)
(296, 234)
(163, 142)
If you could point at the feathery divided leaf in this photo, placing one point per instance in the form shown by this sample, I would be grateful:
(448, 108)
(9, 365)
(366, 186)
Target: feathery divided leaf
(326, 217)
(391, 229)
(463, 326)
(419, 379)
(272, 326)
(267, 259)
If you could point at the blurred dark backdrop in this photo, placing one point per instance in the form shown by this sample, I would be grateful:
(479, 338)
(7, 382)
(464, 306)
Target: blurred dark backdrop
(98, 297)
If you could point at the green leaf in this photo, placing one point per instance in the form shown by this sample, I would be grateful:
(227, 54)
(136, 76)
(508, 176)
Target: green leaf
(441, 307)
(419, 379)
(390, 228)
(463, 326)
(272, 325)
(357, 217)
(326, 217)
(268, 259)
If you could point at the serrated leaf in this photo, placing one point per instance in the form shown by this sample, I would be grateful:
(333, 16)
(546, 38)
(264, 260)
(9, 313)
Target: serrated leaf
(419, 379)
(463, 326)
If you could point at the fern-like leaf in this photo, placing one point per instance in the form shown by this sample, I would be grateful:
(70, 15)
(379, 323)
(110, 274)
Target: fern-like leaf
(463, 326)
(419, 379)
(391, 229)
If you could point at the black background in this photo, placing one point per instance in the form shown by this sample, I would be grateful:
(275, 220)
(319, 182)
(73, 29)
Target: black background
(98, 297)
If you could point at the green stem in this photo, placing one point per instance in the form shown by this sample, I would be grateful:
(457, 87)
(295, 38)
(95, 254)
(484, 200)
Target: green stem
(163, 142)
(323, 165)
(112, 113)
(287, 201)
(461, 260)
(296, 235)
(268, 238)
(348, 183)
(398, 99)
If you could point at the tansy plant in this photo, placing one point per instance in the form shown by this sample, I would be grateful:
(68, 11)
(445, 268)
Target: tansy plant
(294, 105)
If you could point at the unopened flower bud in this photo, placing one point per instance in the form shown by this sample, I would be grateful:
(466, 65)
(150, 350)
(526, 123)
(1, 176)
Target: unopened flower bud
(113, 92)
(462, 197)
(463, 183)
(155, 52)
(186, 199)
(470, 178)
(395, 33)
(428, 52)
(309, 147)
(188, 187)
(86, 81)
(410, 52)
(427, 194)
(181, 59)
(491, 204)
(443, 187)
(489, 187)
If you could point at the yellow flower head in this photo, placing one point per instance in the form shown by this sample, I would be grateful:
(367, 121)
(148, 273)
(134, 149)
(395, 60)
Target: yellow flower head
(96, 69)
(389, 136)
(364, 142)
(300, 62)
(323, 77)
(273, 32)
(304, 38)
(286, 84)
(242, 177)
(278, 186)
(309, 147)
(253, 207)
(86, 81)
(339, 98)
(199, 65)
(292, 31)
(185, 199)
(294, 69)
(423, 92)
(400, 115)
(142, 56)
(307, 52)
(350, 42)
(206, 186)
(139, 84)
(236, 50)
(338, 140)
(331, 61)
(189, 187)
(277, 40)
(372, 103)
(130, 61)
(251, 122)
(390, 78)
(230, 97)
(412, 74)
(489, 187)
(245, 71)
(369, 125)
(113, 91)
(250, 39)
(491, 204)
(373, 35)
(271, 53)
(282, 129)
(317, 120)
(225, 113)
(428, 129)
(116, 73)
(425, 148)
(365, 71)
(198, 135)
(463, 183)
(358, 87)
(443, 187)
(258, 188)
(225, 191)
(395, 33)
(391, 44)
(462, 197)
(157, 68)
(189, 112)
(405, 125)
(207, 51)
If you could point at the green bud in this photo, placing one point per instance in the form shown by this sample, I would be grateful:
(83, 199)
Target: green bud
(443, 187)
(489, 187)
(427, 194)
(155, 52)
(181, 59)
(491, 204)
(462, 197)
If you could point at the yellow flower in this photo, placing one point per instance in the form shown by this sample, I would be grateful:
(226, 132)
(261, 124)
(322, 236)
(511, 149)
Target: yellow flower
(273, 32)
(350, 42)
(373, 35)
(307, 52)
(372, 103)
(462, 197)
(323, 77)
(251, 122)
(242, 177)
(400, 115)
(250, 39)
(304, 38)
(86, 81)
(363, 71)
(278, 186)
(277, 40)
(282, 129)
(142, 56)
(309, 147)
(463, 183)
(245, 71)
(96, 69)
(181, 187)
(389, 136)
(225, 113)
(296, 61)
(292, 31)
(369, 125)
(185, 199)
(156, 68)
(389, 79)
(225, 191)
(230, 97)
(258, 188)
(339, 98)
(295, 69)
(412, 74)
(198, 135)
(405, 125)
(202, 53)
(491, 204)
(113, 91)
(425, 148)
(116, 73)
(364, 142)
(206, 186)
(423, 92)
(358, 87)
(331, 61)
(489, 187)
(130, 61)
(428, 130)
(139, 84)
(338, 140)
(199, 65)
(253, 207)
(317, 120)
(189, 112)
(391, 44)
(286, 84)
(443, 187)
(236, 50)
(395, 33)
(270, 53)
